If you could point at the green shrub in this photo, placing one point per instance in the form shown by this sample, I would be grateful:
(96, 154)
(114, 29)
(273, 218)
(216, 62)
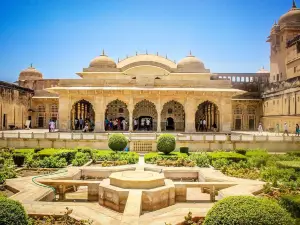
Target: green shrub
(153, 157)
(220, 163)
(247, 210)
(294, 153)
(80, 159)
(36, 150)
(184, 150)
(117, 142)
(166, 143)
(292, 204)
(12, 212)
(109, 155)
(2, 160)
(274, 174)
(201, 160)
(67, 154)
(227, 155)
(289, 164)
(241, 151)
(257, 161)
(255, 153)
(53, 162)
(19, 159)
(24, 151)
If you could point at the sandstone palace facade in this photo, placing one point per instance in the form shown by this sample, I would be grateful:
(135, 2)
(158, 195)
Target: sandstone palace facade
(149, 88)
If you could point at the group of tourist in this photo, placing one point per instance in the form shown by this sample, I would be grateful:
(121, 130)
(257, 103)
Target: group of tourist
(277, 129)
(116, 124)
(84, 125)
(145, 124)
(202, 126)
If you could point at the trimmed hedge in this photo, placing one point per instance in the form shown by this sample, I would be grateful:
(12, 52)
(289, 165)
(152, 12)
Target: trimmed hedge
(152, 157)
(292, 204)
(227, 155)
(117, 142)
(12, 212)
(68, 154)
(109, 155)
(184, 150)
(166, 143)
(247, 210)
(289, 164)
(24, 150)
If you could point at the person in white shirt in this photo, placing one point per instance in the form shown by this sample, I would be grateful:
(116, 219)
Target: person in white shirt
(148, 124)
(285, 127)
(204, 125)
(124, 123)
(135, 124)
(142, 124)
(260, 128)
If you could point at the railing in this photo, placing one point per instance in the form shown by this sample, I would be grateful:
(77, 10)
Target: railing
(195, 137)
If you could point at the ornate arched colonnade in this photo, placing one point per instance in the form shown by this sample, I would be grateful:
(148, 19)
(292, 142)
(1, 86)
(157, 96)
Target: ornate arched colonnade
(164, 114)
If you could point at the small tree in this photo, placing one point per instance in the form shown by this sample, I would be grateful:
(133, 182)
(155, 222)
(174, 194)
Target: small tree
(12, 212)
(117, 142)
(166, 143)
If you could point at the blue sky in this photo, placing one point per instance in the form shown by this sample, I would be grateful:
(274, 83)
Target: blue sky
(60, 37)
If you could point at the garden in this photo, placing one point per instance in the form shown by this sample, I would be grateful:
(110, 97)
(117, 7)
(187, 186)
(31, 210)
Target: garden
(281, 172)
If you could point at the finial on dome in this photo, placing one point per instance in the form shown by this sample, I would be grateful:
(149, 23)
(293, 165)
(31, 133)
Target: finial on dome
(126, 56)
(31, 65)
(136, 53)
(166, 56)
(275, 22)
(174, 61)
(103, 53)
(157, 53)
(190, 53)
(146, 52)
(294, 5)
(118, 59)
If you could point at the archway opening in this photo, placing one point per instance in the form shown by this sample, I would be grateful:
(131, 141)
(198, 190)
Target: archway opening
(173, 116)
(117, 116)
(145, 116)
(207, 117)
(82, 114)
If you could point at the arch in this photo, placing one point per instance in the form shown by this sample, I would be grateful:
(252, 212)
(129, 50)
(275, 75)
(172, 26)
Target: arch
(251, 111)
(207, 117)
(145, 112)
(54, 112)
(174, 110)
(116, 115)
(238, 117)
(82, 112)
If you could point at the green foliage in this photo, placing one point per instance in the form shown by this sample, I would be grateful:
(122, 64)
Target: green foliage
(80, 159)
(289, 164)
(247, 210)
(220, 163)
(294, 153)
(24, 151)
(166, 143)
(292, 204)
(19, 159)
(241, 151)
(201, 159)
(227, 155)
(257, 153)
(153, 157)
(117, 142)
(176, 163)
(2, 160)
(67, 154)
(275, 175)
(12, 212)
(53, 162)
(108, 155)
(184, 150)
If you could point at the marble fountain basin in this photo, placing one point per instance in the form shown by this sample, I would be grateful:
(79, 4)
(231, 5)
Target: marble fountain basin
(137, 179)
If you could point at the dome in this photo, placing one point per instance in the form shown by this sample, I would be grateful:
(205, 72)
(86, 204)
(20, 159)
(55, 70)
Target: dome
(291, 17)
(30, 73)
(103, 61)
(262, 70)
(191, 64)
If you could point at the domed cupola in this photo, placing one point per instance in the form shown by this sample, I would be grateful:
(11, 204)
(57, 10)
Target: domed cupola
(191, 64)
(291, 17)
(103, 61)
(30, 73)
(262, 70)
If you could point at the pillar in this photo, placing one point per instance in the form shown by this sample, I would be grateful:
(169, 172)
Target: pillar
(190, 111)
(158, 109)
(99, 107)
(64, 113)
(225, 117)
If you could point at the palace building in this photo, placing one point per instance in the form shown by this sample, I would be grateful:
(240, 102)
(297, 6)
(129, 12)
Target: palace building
(152, 92)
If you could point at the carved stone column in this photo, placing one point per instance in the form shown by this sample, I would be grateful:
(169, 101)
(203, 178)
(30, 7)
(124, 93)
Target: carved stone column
(100, 107)
(64, 112)
(190, 111)
(158, 109)
(225, 115)
(130, 109)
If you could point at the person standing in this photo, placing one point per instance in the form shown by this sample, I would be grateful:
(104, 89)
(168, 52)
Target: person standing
(52, 126)
(49, 125)
(106, 124)
(215, 127)
(297, 130)
(285, 127)
(124, 124)
(142, 123)
(81, 122)
(76, 121)
(200, 125)
(148, 124)
(204, 125)
(135, 124)
(260, 129)
(277, 129)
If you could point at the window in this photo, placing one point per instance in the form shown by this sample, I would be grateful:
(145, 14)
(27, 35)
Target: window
(54, 108)
(238, 79)
(295, 69)
(121, 110)
(41, 108)
(250, 110)
(233, 79)
(273, 102)
(280, 76)
(243, 79)
(247, 79)
(170, 111)
(238, 110)
(251, 79)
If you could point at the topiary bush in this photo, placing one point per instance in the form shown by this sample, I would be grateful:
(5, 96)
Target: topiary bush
(80, 159)
(247, 210)
(166, 143)
(292, 204)
(12, 212)
(184, 150)
(117, 142)
(19, 159)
